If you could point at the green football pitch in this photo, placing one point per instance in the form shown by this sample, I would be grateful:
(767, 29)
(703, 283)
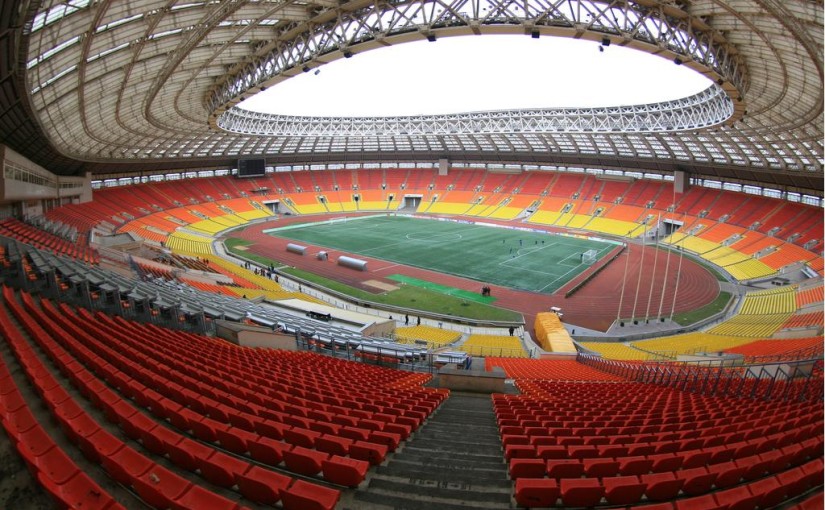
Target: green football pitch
(532, 261)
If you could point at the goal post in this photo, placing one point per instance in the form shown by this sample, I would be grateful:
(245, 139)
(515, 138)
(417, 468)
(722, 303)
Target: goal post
(589, 257)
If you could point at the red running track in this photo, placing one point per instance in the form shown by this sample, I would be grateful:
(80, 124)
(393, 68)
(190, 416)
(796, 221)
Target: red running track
(595, 306)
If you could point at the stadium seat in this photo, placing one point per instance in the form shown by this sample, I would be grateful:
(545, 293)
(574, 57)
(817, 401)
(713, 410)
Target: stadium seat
(536, 492)
(581, 492)
(661, 486)
(303, 495)
(344, 471)
(261, 485)
(304, 461)
(623, 490)
(527, 468)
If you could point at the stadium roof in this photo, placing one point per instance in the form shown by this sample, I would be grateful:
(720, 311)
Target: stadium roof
(112, 86)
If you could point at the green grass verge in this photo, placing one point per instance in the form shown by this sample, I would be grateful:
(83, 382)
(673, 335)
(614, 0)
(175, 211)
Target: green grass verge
(407, 296)
(712, 308)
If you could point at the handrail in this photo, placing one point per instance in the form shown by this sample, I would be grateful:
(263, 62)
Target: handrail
(797, 380)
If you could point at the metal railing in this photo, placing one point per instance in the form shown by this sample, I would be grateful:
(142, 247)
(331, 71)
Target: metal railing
(797, 380)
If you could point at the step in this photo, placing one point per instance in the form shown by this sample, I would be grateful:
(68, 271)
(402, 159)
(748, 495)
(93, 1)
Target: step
(456, 464)
(465, 445)
(436, 490)
(396, 502)
(411, 452)
(403, 470)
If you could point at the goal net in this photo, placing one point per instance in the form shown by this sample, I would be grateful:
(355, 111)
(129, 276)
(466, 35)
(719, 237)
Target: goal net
(340, 219)
(589, 257)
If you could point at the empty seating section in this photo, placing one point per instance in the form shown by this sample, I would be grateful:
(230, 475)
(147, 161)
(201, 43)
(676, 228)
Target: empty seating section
(189, 243)
(804, 320)
(297, 411)
(450, 202)
(249, 283)
(579, 443)
(792, 348)
(372, 200)
(48, 463)
(617, 350)
(762, 313)
(509, 208)
(16, 229)
(524, 370)
(434, 337)
(494, 345)
(810, 295)
(691, 343)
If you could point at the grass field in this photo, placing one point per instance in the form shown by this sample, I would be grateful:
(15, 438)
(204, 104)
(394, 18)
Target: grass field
(537, 262)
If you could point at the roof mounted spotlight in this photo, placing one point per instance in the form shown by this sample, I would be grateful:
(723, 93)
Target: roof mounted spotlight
(431, 37)
(535, 34)
(305, 69)
(720, 81)
(677, 61)
(605, 41)
(347, 54)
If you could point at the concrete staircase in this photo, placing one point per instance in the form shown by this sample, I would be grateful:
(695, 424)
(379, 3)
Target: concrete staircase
(453, 462)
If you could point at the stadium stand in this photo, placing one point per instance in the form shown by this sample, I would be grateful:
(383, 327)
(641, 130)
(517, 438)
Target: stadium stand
(493, 345)
(429, 335)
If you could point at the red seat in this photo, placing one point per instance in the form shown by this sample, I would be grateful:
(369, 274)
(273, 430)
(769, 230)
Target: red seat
(665, 462)
(307, 496)
(754, 467)
(98, 445)
(706, 502)
(373, 453)
(333, 445)
(53, 464)
(695, 458)
(564, 468)
(222, 469)
(581, 491)
(156, 439)
(770, 491)
(80, 491)
(582, 452)
(34, 441)
(662, 486)
(199, 497)
(159, 487)
(261, 485)
(301, 437)
(521, 451)
(721, 453)
(727, 474)
(187, 453)
(344, 470)
(536, 492)
(697, 480)
(304, 461)
(206, 429)
(599, 468)
(527, 468)
(390, 439)
(236, 440)
(623, 490)
(548, 452)
(270, 428)
(126, 465)
(737, 498)
(635, 465)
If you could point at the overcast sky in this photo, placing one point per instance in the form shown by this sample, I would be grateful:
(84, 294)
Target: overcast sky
(464, 74)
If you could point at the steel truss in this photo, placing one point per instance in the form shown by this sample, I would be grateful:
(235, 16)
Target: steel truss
(660, 28)
(707, 108)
